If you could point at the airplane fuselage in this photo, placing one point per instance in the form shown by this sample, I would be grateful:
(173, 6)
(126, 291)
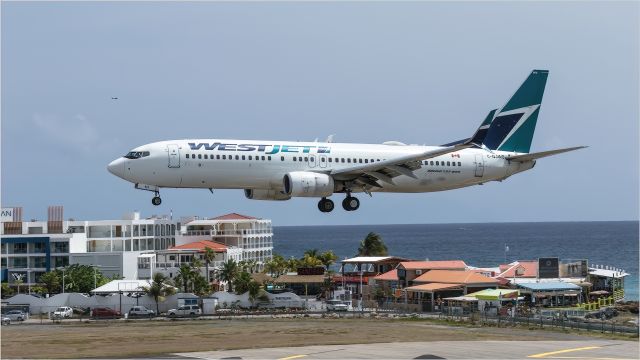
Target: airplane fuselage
(261, 165)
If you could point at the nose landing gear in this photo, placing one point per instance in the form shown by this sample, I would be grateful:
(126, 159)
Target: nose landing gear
(156, 192)
(156, 199)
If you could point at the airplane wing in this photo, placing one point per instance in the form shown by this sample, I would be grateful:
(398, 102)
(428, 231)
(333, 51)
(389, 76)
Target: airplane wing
(385, 171)
(538, 155)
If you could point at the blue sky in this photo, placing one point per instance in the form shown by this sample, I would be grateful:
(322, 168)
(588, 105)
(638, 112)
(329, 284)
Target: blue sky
(416, 72)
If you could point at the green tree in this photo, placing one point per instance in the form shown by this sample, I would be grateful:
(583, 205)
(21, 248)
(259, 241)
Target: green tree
(82, 278)
(209, 256)
(159, 289)
(372, 245)
(229, 272)
(6, 290)
(276, 266)
(255, 290)
(201, 286)
(241, 282)
(51, 281)
(328, 258)
(311, 253)
(292, 264)
(184, 276)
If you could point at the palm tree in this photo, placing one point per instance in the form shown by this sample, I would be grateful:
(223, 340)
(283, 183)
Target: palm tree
(372, 245)
(254, 291)
(328, 258)
(229, 272)
(184, 276)
(158, 289)
(312, 253)
(209, 256)
(241, 282)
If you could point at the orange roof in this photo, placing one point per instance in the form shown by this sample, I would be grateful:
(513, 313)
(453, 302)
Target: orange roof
(433, 265)
(519, 269)
(432, 287)
(233, 216)
(391, 275)
(455, 277)
(200, 246)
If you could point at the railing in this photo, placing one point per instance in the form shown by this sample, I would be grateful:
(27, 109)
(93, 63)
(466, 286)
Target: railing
(228, 232)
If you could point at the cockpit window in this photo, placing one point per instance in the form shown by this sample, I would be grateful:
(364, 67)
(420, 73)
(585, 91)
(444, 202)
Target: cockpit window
(136, 154)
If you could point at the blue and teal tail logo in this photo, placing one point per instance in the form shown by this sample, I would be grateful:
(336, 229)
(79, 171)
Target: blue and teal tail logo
(513, 126)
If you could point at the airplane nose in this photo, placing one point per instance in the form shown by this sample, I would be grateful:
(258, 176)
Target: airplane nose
(116, 167)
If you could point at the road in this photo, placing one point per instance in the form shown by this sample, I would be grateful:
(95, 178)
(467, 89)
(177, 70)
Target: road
(595, 349)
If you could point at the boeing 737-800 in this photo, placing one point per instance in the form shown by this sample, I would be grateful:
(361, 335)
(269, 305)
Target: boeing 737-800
(280, 170)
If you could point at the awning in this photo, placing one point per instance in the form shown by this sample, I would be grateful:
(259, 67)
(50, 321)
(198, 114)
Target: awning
(433, 287)
(495, 294)
(464, 298)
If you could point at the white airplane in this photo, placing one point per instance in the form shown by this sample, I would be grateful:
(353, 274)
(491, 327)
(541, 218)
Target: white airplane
(280, 170)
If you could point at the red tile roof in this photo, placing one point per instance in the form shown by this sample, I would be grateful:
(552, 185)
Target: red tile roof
(432, 287)
(234, 216)
(391, 275)
(519, 269)
(434, 265)
(455, 277)
(200, 246)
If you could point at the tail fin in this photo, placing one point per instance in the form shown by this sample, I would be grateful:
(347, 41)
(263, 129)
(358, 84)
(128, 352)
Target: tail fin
(479, 135)
(513, 126)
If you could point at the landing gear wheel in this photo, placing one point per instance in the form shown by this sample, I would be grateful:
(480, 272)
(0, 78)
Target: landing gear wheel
(156, 200)
(325, 205)
(351, 203)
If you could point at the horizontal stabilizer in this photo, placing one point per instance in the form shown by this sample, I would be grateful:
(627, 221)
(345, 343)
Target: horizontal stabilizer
(538, 155)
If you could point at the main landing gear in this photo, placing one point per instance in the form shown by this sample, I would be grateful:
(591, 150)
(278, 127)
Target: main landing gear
(350, 203)
(156, 199)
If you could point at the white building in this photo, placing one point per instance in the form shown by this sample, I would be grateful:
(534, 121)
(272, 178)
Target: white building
(252, 235)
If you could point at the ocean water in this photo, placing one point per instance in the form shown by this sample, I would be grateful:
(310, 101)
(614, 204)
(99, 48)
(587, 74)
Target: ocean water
(607, 243)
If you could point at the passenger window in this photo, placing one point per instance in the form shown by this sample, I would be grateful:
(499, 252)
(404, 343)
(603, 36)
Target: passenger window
(250, 158)
(193, 156)
(437, 163)
(371, 160)
(199, 156)
(218, 157)
(448, 163)
(312, 159)
(342, 160)
(349, 161)
(459, 163)
(237, 157)
(299, 158)
(269, 157)
(322, 159)
(330, 159)
(282, 158)
(360, 161)
(187, 156)
(306, 159)
(206, 156)
(431, 162)
(355, 161)
(442, 163)
(263, 158)
(295, 158)
(224, 157)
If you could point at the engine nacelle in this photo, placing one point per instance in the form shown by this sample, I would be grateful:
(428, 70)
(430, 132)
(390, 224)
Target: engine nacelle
(265, 194)
(308, 184)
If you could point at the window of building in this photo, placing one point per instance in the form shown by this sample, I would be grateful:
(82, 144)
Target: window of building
(20, 262)
(39, 247)
(20, 248)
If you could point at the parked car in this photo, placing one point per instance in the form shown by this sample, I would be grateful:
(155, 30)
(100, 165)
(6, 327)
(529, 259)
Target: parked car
(185, 310)
(63, 312)
(104, 312)
(16, 315)
(141, 311)
(337, 305)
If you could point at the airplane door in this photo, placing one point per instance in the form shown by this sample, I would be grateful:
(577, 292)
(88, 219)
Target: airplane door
(323, 161)
(479, 165)
(174, 156)
(312, 161)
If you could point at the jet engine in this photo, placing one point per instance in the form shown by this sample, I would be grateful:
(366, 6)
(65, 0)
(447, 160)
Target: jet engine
(308, 184)
(259, 194)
